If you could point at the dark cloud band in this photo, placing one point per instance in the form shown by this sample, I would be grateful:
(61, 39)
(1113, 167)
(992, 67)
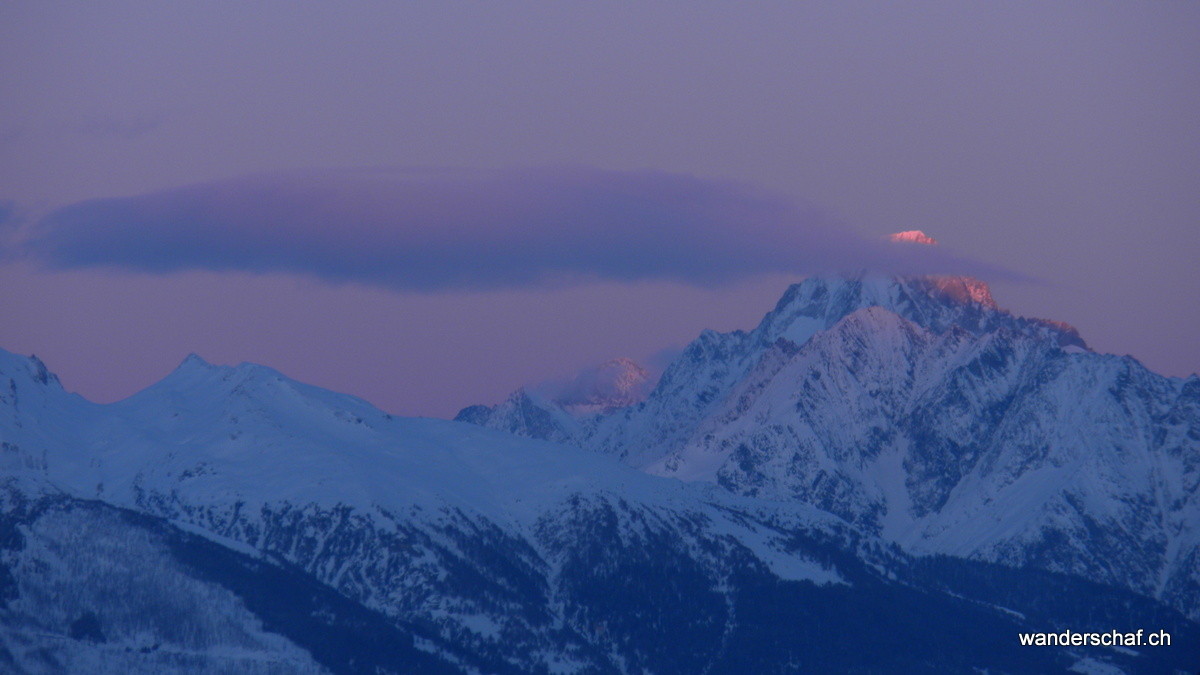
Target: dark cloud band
(429, 230)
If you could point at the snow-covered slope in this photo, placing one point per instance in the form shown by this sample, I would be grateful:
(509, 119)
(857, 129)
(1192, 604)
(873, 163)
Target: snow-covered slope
(89, 588)
(1003, 447)
(464, 530)
(68, 563)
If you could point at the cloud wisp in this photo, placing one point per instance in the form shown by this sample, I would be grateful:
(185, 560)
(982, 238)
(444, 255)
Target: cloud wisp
(439, 229)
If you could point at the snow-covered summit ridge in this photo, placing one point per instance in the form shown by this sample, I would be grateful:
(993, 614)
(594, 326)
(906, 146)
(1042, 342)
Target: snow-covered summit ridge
(936, 303)
(217, 435)
(933, 301)
(197, 383)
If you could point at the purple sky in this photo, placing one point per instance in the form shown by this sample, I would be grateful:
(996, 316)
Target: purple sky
(741, 147)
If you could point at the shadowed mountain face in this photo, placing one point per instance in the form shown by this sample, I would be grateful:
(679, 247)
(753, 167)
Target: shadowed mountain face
(919, 411)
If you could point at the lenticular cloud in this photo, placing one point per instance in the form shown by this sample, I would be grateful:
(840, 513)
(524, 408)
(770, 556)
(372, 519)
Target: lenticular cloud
(428, 230)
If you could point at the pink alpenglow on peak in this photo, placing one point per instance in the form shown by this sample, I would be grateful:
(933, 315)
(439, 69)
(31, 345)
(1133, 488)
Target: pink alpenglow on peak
(966, 289)
(958, 288)
(913, 237)
(614, 384)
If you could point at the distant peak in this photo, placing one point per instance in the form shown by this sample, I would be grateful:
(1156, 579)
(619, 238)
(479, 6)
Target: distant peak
(192, 360)
(913, 237)
(613, 384)
(625, 370)
(197, 377)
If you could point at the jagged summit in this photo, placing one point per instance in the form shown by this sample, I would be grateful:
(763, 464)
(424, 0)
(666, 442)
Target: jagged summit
(934, 302)
(913, 237)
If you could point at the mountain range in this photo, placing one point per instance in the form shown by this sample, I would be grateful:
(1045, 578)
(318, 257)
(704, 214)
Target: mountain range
(886, 475)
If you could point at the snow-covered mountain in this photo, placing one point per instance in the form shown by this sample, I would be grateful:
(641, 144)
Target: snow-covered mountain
(231, 519)
(919, 411)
